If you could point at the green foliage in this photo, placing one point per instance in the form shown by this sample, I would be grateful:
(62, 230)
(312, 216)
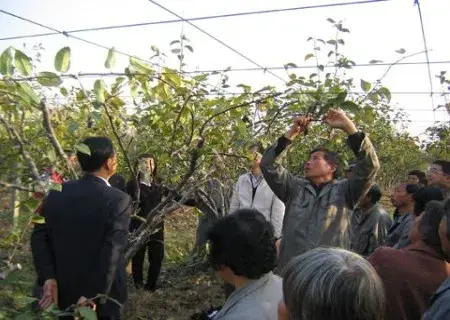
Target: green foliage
(23, 63)
(49, 79)
(62, 60)
(110, 59)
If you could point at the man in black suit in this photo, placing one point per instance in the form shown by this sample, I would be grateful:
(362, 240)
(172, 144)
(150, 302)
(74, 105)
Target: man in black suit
(79, 251)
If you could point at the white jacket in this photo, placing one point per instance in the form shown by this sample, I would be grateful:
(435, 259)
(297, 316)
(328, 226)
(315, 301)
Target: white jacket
(265, 201)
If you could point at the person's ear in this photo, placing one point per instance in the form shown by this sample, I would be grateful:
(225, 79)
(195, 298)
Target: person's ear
(282, 311)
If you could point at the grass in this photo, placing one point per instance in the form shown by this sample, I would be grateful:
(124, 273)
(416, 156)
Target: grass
(184, 289)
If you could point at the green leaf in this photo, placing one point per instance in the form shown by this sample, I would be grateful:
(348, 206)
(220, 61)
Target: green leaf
(62, 60)
(141, 67)
(6, 62)
(332, 42)
(309, 56)
(340, 98)
(189, 48)
(31, 203)
(116, 102)
(375, 61)
(350, 106)
(290, 65)
(56, 187)
(38, 219)
(174, 42)
(99, 91)
(383, 91)
(330, 20)
(83, 148)
(86, 313)
(110, 59)
(365, 85)
(176, 50)
(373, 97)
(27, 92)
(401, 51)
(64, 92)
(49, 79)
(23, 63)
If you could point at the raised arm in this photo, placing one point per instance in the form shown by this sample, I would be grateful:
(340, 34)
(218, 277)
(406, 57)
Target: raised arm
(276, 176)
(367, 163)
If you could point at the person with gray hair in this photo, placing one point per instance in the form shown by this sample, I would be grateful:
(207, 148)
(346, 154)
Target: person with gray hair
(331, 284)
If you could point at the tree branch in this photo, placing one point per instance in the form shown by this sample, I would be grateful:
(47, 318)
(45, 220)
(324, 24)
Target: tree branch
(175, 125)
(16, 186)
(25, 154)
(53, 139)
(119, 140)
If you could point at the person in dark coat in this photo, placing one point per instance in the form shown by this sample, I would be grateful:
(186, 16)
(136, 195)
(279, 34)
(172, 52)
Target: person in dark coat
(413, 274)
(369, 224)
(439, 308)
(118, 181)
(149, 191)
(78, 252)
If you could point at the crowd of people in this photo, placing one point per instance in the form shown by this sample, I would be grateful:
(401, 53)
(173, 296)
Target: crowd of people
(289, 247)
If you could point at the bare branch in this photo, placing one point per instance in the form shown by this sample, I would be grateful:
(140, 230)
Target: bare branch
(175, 125)
(53, 139)
(16, 186)
(119, 140)
(25, 154)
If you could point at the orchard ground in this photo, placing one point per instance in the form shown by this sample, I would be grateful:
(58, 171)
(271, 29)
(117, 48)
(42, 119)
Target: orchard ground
(185, 287)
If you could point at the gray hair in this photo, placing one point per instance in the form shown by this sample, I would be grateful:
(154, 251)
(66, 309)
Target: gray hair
(332, 284)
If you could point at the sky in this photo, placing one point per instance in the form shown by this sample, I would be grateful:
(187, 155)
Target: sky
(377, 30)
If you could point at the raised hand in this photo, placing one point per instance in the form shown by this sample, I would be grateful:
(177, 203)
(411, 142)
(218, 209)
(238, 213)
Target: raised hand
(338, 119)
(300, 125)
(50, 294)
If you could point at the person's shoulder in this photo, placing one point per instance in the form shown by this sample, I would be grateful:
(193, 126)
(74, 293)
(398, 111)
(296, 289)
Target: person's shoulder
(440, 303)
(384, 255)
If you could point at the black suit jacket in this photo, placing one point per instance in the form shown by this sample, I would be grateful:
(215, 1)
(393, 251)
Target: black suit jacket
(82, 242)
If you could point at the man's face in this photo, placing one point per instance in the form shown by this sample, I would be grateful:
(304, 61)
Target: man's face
(413, 179)
(445, 242)
(400, 197)
(436, 176)
(317, 166)
(72, 161)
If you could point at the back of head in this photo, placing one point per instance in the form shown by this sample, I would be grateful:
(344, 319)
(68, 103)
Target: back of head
(425, 195)
(445, 166)
(101, 149)
(429, 223)
(332, 284)
(244, 242)
(374, 194)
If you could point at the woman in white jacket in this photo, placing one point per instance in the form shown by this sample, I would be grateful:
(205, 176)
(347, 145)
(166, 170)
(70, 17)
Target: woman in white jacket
(252, 191)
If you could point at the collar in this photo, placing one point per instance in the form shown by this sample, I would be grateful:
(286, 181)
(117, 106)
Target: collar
(104, 180)
(420, 246)
(148, 184)
(238, 295)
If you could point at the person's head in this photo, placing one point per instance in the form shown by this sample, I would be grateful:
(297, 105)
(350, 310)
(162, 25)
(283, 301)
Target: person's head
(102, 159)
(444, 229)
(403, 195)
(146, 167)
(438, 174)
(322, 166)
(331, 283)
(71, 158)
(417, 177)
(242, 246)
(426, 225)
(425, 195)
(255, 156)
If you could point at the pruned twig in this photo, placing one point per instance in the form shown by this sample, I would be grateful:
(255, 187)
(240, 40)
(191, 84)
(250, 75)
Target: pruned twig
(16, 186)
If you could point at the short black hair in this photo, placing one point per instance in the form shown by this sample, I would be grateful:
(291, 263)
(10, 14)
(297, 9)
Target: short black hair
(419, 174)
(374, 193)
(444, 164)
(429, 224)
(101, 149)
(244, 242)
(412, 188)
(425, 195)
(331, 157)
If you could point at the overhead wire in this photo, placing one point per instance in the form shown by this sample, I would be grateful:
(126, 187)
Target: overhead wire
(83, 40)
(210, 17)
(217, 40)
